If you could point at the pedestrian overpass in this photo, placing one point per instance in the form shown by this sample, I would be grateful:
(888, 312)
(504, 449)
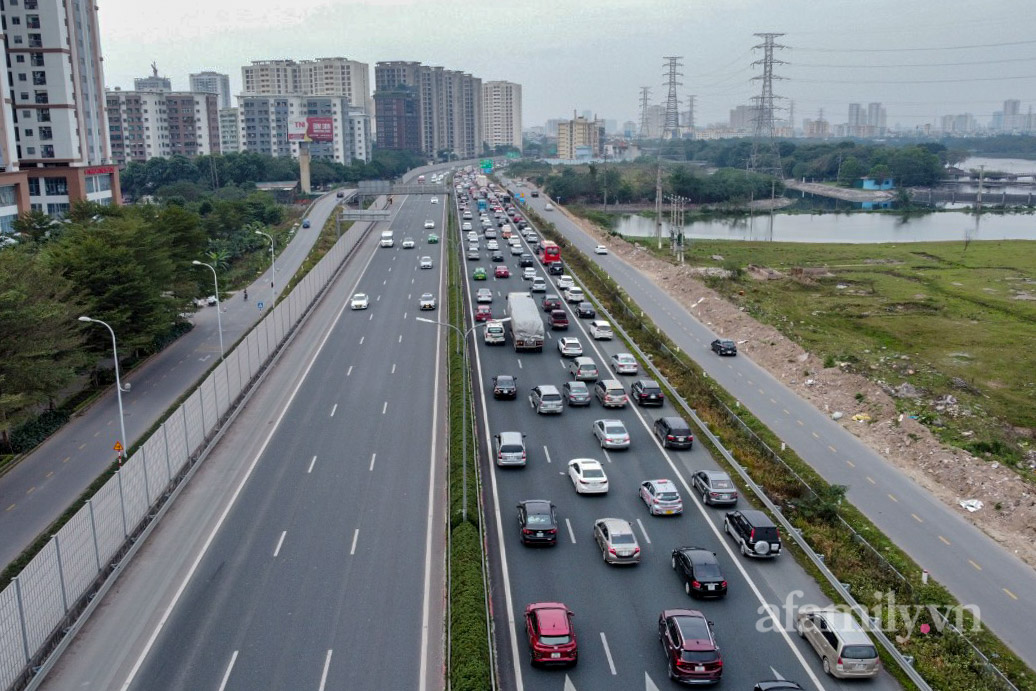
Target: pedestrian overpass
(377, 188)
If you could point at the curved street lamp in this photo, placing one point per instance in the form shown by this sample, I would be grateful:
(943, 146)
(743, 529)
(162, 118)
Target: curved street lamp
(118, 385)
(219, 319)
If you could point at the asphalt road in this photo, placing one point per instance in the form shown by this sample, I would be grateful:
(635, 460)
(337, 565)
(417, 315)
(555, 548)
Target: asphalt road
(617, 608)
(44, 483)
(976, 569)
(308, 552)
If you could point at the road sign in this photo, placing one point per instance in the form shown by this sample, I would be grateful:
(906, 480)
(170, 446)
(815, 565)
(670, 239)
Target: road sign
(260, 306)
(118, 446)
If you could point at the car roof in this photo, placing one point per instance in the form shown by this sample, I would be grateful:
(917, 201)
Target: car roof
(610, 383)
(510, 437)
(505, 377)
(663, 484)
(608, 421)
(483, 290)
(552, 617)
(537, 505)
(616, 525)
(648, 382)
(694, 628)
(698, 555)
(586, 462)
(757, 518)
(576, 384)
(622, 356)
(844, 624)
(673, 421)
(548, 388)
(716, 474)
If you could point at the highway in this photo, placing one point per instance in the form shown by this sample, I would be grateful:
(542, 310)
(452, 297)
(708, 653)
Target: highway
(616, 608)
(976, 569)
(308, 551)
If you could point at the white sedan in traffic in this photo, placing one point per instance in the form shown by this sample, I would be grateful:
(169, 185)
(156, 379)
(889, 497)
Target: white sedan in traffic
(570, 346)
(600, 249)
(587, 476)
(360, 301)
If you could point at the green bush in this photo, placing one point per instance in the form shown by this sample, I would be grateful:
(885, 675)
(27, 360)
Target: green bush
(469, 647)
(32, 433)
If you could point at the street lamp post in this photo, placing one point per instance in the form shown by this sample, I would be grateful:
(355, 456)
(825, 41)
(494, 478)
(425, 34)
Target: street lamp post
(273, 269)
(219, 319)
(464, 420)
(118, 386)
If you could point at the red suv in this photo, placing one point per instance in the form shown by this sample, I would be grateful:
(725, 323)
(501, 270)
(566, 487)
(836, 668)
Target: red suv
(692, 655)
(558, 319)
(551, 636)
(483, 313)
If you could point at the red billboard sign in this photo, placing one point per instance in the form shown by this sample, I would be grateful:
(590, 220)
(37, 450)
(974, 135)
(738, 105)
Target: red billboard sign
(311, 129)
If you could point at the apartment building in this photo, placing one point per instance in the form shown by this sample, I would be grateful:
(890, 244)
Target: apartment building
(580, 138)
(54, 145)
(320, 77)
(502, 114)
(229, 130)
(265, 126)
(209, 82)
(145, 124)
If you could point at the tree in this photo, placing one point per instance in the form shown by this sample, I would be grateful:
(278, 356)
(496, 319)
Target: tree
(36, 226)
(880, 172)
(850, 171)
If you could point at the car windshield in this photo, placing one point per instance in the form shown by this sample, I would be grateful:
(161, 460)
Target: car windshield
(614, 429)
(859, 652)
(538, 519)
(623, 539)
(555, 640)
(593, 472)
(698, 656)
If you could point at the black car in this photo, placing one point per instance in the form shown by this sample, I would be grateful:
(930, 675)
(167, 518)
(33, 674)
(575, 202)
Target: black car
(646, 392)
(586, 310)
(526, 260)
(673, 432)
(555, 268)
(550, 302)
(496, 256)
(538, 521)
(722, 346)
(776, 685)
(754, 532)
(700, 571)
(505, 386)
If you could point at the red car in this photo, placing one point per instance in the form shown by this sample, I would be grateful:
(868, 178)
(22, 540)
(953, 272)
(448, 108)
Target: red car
(552, 639)
(483, 313)
(502, 272)
(558, 319)
(692, 655)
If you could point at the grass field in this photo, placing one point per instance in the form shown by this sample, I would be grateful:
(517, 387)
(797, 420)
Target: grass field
(963, 315)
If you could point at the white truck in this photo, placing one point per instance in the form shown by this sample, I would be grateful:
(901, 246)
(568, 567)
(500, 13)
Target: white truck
(526, 323)
(386, 238)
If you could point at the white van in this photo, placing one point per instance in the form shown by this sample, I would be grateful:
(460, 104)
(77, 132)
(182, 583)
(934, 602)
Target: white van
(493, 332)
(386, 238)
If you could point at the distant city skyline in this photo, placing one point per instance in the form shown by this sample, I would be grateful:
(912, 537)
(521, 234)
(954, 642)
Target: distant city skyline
(923, 60)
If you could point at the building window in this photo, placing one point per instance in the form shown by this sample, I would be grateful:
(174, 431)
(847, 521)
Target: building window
(8, 195)
(22, 77)
(46, 133)
(30, 151)
(42, 97)
(19, 58)
(34, 187)
(43, 115)
(27, 132)
(47, 151)
(56, 186)
(59, 209)
(35, 59)
(39, 78)
(35, 41)
(17, 39)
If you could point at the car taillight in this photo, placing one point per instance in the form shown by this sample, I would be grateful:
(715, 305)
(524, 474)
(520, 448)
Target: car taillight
(751, 535)
(724, 584)
(611, 550)
(526, 531)
(695, 584)
(670, 437)
(636, 550)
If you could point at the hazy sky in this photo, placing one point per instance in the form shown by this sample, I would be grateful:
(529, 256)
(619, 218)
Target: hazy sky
(921, 58)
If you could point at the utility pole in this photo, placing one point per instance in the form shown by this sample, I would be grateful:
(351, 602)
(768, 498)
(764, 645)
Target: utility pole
(768, 161)
(645, 101)
(670, 127)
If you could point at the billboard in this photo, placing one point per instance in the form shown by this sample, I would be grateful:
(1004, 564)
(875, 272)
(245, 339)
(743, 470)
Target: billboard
(311, 130)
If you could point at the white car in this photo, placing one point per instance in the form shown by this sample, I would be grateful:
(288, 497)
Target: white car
(587, 476)
(466, 225)
(427, 301)
(528, 273)
(611, 434)
(548, 207)
(492, 245)
(574, 295)
(624, 363)
(429, 223)
(570, 347)
(600, 249)
(565, 281)
(408, 243)
(435, 200)
(484, 295)
(601, 330)
(360, 301)
(472, 236)
(426, 262)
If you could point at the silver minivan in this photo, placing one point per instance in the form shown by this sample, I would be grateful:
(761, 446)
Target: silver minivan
(510, 448)
(844, 648)
(546, 399)
(583, 369)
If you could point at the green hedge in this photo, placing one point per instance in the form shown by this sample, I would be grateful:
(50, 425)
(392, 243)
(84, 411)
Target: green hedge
(469, 649)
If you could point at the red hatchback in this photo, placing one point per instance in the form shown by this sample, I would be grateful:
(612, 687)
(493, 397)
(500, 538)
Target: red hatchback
(483, 313)
(502, 272)
(692, 655)
(552, 639)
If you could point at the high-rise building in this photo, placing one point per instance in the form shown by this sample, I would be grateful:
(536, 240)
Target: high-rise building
(54, 142)
(502, 114)
(146, 124)
(857, 116)
(876, 119)
(742, 118)
(229, 130)
(580, 138)
(154, 82)
(1012, 121)
(447, 103)
(265, 126)
(212, 83)
(321, 77)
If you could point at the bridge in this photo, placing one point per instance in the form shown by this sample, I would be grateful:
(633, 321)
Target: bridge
(377, 188)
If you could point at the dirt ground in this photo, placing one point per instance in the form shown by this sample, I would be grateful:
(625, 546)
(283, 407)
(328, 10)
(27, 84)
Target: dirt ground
(951, 474)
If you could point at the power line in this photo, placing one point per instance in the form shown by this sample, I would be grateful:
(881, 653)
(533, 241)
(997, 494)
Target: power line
(914, 50)
(918, 81)
(922, 64)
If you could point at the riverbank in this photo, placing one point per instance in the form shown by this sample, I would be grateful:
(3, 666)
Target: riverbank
(846, 194)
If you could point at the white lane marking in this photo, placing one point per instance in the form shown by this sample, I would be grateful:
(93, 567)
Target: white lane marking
(333, 409)
(608, 653)
(377, 299)
(385, 282)
(404, 316)
(311, 464)
(327, 665)
(394, 364)
(571, 533)
(546, 453)
(400, 338)
(564, 365)
(646, 536)
(356, 536)
(412, 281)
(519, 363)
(230, 668)
(233, 498)
(384, 407)
(370, 317)
(373, 456)
(361, 339)
(409, 295)
(280, 541)
(607, 456)
(203, 359)
(649, 684)
(349, 371)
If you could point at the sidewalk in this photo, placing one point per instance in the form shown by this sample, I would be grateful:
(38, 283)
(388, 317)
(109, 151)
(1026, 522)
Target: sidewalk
(36, 491)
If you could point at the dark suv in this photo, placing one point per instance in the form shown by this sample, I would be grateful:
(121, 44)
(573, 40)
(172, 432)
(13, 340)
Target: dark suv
(673, 433)
(646, 392)
(754, 532)
(526, 260)
(690, 646)
(555, 268)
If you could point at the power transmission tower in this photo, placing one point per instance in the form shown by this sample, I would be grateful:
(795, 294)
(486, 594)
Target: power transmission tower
(671, 124)
(645, 101)
(676, 224)
(766, 156)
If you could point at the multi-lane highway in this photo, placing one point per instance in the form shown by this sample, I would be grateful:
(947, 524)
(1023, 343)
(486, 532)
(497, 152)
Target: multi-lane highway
(977, 570)
(308, 551)
(616, 608)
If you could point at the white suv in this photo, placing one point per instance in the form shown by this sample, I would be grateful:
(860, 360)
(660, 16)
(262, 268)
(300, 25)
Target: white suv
(601, 330)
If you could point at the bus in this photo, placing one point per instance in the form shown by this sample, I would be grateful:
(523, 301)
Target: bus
(550, 252)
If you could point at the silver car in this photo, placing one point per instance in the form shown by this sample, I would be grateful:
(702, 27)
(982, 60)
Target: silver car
(662, 497)
(617, 541)
(546, 399)
(611, 434)
(624, 363)
(715, 487)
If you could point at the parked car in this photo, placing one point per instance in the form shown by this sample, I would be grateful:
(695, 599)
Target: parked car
(617, 541)
(305, 223)
(646, 392)
(585, 310)
(611, 434)
(505, 386)
(673, 432)
(662, 497)
(722, 346)
(576, 393)
(844, 649)
(610, 393)
(600, 330)
(700, 571)
(552, 638)
(546, 398)
(690, 647)
(587, 476)
(538, 522)
(715, 487)
(754, 532)
(624, 363)
(509, 448)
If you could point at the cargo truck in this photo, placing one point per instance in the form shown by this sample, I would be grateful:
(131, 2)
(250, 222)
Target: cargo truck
(526, 323)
